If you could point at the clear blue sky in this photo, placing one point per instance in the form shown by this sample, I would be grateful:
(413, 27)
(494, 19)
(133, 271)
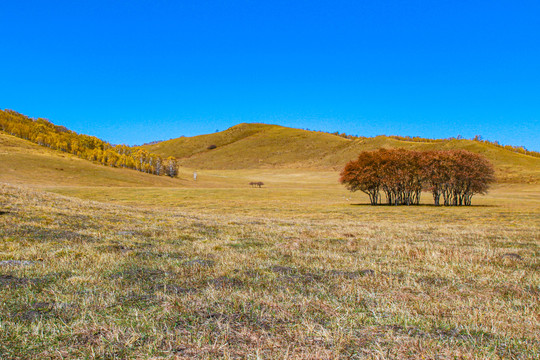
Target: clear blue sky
(136, 71)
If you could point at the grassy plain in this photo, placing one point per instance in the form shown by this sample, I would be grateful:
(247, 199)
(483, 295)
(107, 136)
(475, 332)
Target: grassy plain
(278, 272)
(147, 268)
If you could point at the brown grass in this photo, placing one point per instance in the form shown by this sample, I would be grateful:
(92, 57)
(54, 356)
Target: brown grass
(259, 146)
(303, 276)
(298, 269)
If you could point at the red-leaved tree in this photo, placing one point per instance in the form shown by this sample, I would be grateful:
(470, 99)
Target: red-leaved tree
(364, 174)
(453, 175)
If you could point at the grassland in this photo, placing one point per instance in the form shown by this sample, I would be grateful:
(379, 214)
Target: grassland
(22, 162)
(118, 264)
(268, 273)
(259, 146)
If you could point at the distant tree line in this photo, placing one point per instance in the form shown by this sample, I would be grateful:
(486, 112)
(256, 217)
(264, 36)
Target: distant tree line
(45, 133)
(476, 138)
(452, 176)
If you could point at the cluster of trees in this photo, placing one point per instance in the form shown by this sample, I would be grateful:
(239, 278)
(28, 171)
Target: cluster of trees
(452, 176)
(45, 133)
(256, 184)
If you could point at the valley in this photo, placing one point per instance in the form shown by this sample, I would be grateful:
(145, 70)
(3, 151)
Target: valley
(102, 262)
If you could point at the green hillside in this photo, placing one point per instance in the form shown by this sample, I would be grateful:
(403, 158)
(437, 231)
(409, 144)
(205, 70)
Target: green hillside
(260, 146)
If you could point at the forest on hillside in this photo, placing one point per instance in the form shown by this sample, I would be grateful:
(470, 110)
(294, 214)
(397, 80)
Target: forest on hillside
(44, 133)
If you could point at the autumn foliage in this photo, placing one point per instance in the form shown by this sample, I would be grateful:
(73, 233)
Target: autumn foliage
(43, 132)
(452, 176)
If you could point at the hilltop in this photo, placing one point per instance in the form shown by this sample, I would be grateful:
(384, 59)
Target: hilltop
(261, 146)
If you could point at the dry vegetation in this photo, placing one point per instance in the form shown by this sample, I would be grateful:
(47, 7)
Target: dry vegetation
(46, 134)
(152, 267)
(312, 278)
(454, 176)
(271, 146)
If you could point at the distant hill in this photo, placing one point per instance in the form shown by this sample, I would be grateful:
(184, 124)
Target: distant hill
(241, 147)
(260, 146)
(43, 132)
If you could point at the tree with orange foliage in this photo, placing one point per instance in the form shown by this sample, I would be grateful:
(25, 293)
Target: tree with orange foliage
(454, 175)
(364, 174)
(401, 174)
(436, 167)
(470, 174)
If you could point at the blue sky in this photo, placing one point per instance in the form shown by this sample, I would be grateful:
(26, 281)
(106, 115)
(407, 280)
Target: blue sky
(137, 71)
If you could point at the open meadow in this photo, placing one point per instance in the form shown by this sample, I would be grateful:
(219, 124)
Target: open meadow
(260, 180)
(300, 268)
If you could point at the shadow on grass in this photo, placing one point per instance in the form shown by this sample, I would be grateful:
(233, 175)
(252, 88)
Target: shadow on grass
(427, 205)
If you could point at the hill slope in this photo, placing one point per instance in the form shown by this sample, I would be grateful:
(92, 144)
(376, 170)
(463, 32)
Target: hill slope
(22, 162)
(258, 146)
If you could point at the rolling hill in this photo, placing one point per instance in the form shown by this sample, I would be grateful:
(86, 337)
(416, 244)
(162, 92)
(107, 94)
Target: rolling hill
(261, 146)
(23, 162)
(247, 147)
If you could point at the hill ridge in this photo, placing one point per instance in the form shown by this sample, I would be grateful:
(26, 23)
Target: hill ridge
(260, 146)
(247, 146)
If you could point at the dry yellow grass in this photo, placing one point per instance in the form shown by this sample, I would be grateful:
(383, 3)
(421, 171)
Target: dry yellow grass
(259, 146)
(298, 269)
(22, 162)
(273, 273)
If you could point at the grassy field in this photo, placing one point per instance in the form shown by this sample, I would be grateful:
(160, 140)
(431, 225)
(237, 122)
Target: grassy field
(103, 263)
(22, 162)
(278, 272)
